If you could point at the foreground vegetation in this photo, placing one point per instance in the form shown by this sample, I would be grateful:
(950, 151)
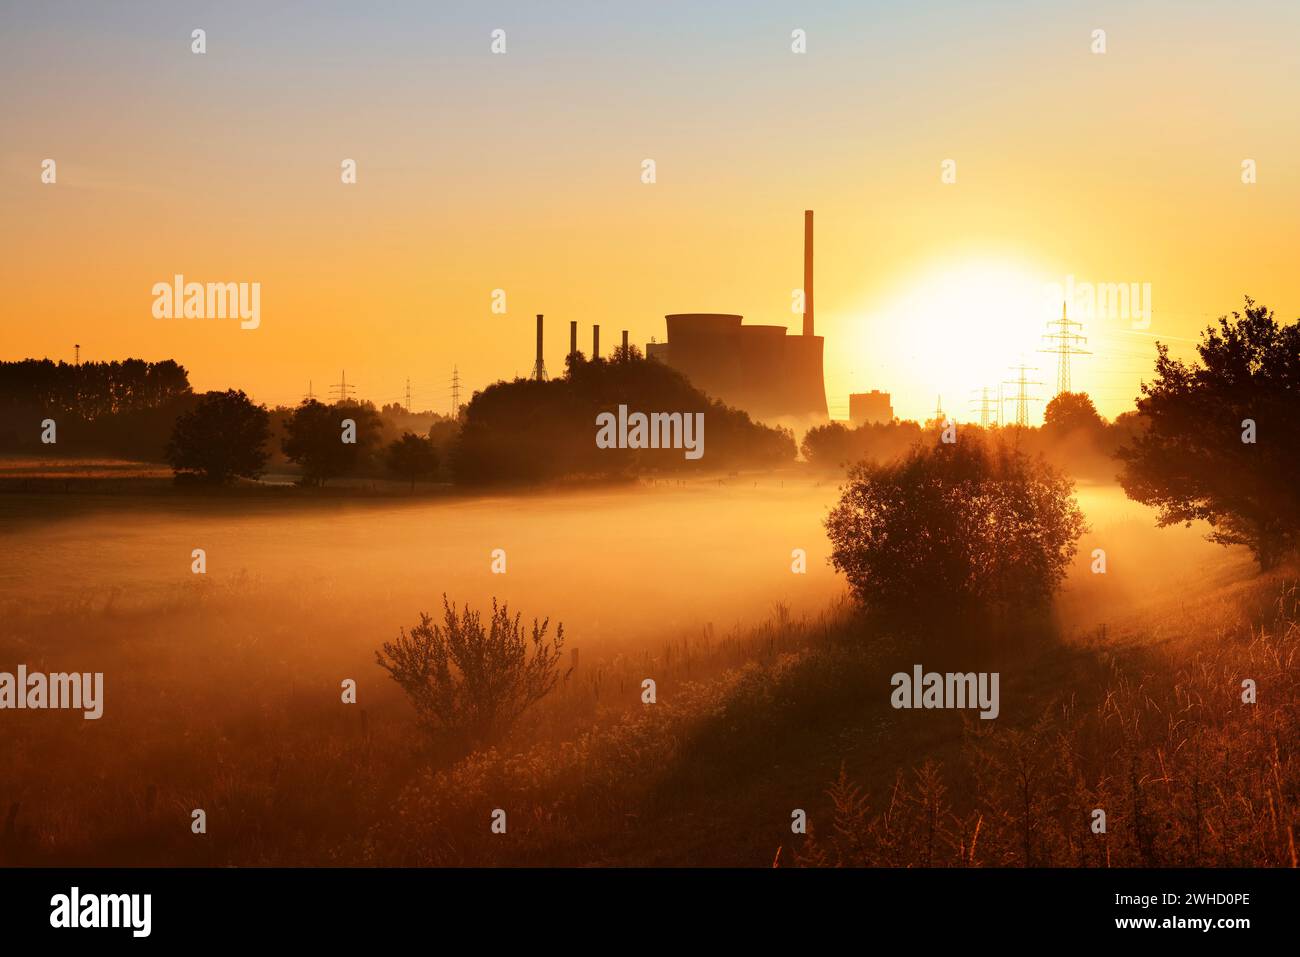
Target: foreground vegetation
(1147, 724)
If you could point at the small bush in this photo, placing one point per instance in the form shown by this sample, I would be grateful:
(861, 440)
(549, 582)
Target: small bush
(469, 684)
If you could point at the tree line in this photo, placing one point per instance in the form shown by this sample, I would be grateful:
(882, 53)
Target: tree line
(91, 389)
(123, 408)
(520, 431)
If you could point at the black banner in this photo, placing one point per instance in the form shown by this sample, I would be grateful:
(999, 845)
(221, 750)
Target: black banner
(180, 906)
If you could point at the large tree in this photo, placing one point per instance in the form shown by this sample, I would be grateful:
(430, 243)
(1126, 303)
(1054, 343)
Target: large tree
(1222, 437)
(321, 441)
(1071, 412)
(412, 457)
(222, 437)
(955, 530)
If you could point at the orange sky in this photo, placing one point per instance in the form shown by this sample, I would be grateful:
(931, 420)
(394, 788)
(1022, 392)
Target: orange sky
(522, 172)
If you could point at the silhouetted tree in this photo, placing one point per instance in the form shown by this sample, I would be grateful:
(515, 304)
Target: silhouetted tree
(91, 389)
(1072, 412)
(966, 528)
(469, 684)
(314, 438)
(527, 430)
(1222, 437)
(222, 437)
(125, 408)
(830, 444)
(836, 444)
(413, 457)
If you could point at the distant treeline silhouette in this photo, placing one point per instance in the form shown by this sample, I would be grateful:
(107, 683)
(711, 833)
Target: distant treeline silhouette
(1073, 436)
(123, 408)
(92, 389)
(531, 430)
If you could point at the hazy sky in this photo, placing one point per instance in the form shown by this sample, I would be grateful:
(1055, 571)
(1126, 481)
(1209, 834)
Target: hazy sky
(523, 172)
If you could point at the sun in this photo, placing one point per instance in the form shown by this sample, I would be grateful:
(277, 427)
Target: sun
(957, 328)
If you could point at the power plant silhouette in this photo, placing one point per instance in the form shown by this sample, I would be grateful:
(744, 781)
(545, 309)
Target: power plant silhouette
(759, 369)
(756, 368)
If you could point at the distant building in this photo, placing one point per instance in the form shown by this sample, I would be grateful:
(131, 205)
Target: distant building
(870, 406)
(760, 369)
(756, 368)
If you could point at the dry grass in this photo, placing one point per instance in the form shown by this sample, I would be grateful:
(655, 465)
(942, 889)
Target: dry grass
(1147, 724)
(1156, 736)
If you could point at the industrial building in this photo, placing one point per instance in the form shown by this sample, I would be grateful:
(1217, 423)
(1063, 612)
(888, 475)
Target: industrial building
(760, 369)
(873, 407)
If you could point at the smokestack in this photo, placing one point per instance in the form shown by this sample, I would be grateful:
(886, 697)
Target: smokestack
(573, 337)
(595, 342)
(808, 272)
(624, 342)
(539, 367)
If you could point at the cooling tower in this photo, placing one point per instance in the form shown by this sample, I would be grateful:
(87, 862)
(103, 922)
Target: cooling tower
(760, 368)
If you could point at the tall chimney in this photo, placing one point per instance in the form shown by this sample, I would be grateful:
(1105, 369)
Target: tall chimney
(624, 342)
(808, 272)
(595, 342)
(573, 337)
(539, 367)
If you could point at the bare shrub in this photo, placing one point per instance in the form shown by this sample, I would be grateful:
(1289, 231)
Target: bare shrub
(470, 684)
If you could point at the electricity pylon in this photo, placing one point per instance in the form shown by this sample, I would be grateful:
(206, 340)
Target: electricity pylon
(1067, 341)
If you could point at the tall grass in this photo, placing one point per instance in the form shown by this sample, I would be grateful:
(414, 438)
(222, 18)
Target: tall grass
(1147, 725)
(1185, 771)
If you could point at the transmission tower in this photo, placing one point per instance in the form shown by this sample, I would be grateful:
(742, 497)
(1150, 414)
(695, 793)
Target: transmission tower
(986, 406)
(1021, 397)
(78, 348)
(342, 391)
(938, 408)
(310, 396)
(455, 392)
(1062, 333)
(408, 395)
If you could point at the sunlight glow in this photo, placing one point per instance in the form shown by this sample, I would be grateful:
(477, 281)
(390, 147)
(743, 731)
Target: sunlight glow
(958, 327)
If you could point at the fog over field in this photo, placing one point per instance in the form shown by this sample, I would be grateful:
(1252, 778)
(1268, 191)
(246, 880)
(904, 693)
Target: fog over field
(223, 690)
(621, 567)
(616, 566)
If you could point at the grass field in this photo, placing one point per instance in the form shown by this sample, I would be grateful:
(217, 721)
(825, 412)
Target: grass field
(222, 693)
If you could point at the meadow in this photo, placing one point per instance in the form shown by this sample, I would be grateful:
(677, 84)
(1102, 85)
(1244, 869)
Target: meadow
(223, 690)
